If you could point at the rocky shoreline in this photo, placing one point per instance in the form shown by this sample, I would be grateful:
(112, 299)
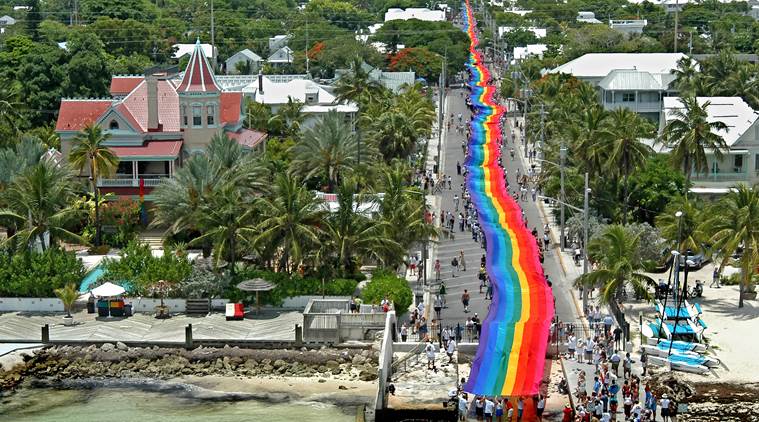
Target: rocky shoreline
(80, 367)
(711, 401)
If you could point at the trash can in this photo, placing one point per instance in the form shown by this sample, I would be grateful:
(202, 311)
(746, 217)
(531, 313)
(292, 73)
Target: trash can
(128, 310)
(91, 305)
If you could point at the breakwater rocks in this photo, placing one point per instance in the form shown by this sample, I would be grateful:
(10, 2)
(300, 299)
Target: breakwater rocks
(711, 401)
(57, 364)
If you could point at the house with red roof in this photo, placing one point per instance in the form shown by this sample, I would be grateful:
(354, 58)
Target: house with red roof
(158, 119)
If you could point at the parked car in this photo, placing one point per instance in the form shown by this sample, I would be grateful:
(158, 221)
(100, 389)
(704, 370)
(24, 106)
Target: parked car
(697, 260)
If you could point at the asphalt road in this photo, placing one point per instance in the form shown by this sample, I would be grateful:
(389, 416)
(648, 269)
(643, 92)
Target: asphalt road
(447, 248)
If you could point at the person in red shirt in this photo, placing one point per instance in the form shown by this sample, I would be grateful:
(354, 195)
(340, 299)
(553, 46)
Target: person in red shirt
(567, 413)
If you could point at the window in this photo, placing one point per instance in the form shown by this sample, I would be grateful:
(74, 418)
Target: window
(628, 97)
(756, 163)
(114, 125)
(738, 161)
(197, 116)
(210, 115)
(184, 116)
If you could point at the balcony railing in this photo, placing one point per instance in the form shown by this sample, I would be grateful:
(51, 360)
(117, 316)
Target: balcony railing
(151, 180)
(720, 177)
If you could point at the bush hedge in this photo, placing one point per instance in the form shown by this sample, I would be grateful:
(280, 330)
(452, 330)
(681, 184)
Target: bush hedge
(140, 269)
(387, 284)
(34, 274)
(288, 286)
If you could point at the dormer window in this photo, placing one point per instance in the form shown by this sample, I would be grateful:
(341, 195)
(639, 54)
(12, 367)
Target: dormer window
(114, 125)
(210, 115)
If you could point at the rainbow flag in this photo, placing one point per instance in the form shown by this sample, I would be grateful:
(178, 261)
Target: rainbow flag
(510, 359)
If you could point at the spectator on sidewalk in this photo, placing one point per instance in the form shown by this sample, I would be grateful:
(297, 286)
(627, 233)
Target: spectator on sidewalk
(627, 366)
(404, 332)
(615, 360)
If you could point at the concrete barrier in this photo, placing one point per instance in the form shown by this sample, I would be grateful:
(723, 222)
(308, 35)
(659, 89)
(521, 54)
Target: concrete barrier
(30, 304)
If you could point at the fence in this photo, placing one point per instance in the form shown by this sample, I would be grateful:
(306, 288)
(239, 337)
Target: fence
(330, 321)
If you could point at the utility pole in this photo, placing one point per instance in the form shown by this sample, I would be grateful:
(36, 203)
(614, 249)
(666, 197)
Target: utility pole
(563, 157)
(441, 112)
(74, 13)
(307, 61)
(585, 242)
(677, 6)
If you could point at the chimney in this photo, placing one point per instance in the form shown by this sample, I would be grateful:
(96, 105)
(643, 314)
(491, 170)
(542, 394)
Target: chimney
(152, 82)
(260, 81)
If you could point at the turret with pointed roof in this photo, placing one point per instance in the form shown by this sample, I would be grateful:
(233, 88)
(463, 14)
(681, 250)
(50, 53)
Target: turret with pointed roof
(198, 76)
(199, 101)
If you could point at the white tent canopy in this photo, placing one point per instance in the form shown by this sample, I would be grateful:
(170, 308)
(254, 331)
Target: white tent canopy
(108, 289)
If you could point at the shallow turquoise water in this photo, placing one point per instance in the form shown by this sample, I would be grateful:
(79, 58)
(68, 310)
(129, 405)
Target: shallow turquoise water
(119, 404)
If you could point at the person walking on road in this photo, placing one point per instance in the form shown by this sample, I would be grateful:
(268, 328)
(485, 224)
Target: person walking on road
(437, 270)
(441, 292)
(430, 351)
(462, 261)
(465, 300)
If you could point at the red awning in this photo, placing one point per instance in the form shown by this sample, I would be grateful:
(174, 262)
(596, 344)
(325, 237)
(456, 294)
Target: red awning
(152, 149)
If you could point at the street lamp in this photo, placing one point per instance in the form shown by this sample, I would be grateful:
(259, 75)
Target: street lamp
(678, 215)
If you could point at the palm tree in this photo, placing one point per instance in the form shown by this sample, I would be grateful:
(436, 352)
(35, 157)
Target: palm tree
(13, 161)
(291, 220)
(10, 104)
(744, 83)
(690, 134)
(327, 150)
(402, 210)
(68, 295)
(682, 232)
(40, 201)
(583, 133)
(350, 236)
(619, 265)
(287, 120)
(257, 115)
(686, 75)
(356, 85)
(717, 71)
(226, 219)
(735, 224)
(90, 152)
(621, 140)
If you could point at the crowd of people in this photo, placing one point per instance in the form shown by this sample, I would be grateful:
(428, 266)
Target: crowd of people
(612, 395)
(496, 408)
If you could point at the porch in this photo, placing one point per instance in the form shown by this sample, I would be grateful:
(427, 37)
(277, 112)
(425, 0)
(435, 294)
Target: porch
(151, 162)
(732, 168)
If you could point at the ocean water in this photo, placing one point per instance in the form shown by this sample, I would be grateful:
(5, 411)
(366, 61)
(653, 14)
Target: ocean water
(120, 404)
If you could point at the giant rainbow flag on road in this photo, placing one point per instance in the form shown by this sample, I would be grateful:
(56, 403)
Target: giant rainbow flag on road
(511, 356)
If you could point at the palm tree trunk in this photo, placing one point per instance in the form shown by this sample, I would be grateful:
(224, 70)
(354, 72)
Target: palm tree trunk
(232, 253)
(42, 242)
(686, 170)
(97, 215)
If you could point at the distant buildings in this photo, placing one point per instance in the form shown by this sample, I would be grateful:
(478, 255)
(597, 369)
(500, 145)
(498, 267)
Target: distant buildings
(253, 61)
(628, 26)
(536, 50)
(741, 163)
(281, 57)
(390, 80)
(638, 81)
(5, 22)
(181, 50)
(587, 17)
(423, 14)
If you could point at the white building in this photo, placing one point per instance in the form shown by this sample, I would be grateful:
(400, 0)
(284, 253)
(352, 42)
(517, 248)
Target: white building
(317, 101)
(539, 32)
(628, 26)
(254, 60)
(741, 163)
(587, 17)
(393, 81)
(278, 41)
(5, 22)
(281, 57)
(637, 81)
(537, 50)
(423, 14)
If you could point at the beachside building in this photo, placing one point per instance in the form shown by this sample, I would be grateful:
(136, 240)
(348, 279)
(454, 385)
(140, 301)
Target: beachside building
(741, 162)
(253, 61)
(156, 120)
(638, 81)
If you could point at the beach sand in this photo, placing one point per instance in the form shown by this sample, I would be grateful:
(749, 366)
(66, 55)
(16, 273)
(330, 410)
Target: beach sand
(297, 388)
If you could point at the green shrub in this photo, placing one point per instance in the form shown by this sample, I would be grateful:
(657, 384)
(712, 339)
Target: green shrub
(33, 274)
(141, 269)
(386, 284)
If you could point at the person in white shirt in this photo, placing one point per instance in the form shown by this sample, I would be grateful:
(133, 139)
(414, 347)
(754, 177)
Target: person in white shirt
(571, 345)
(463, 406)
(489, 408)
(430, 351)
(451, 348)
(589, 345)
(665, 407)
